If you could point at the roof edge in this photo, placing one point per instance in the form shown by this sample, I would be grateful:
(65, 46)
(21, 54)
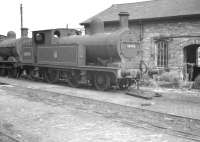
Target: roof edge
(152, 19)
(94, 16)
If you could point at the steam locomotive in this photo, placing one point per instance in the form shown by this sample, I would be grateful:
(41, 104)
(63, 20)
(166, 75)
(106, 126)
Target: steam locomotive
(100, 59)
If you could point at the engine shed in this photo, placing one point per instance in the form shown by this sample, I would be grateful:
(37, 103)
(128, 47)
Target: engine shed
(168, 32)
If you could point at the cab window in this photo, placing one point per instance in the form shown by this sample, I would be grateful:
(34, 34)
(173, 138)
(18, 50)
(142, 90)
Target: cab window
(39, 38)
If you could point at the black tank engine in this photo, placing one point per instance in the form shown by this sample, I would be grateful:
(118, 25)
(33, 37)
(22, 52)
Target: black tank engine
(100, 59)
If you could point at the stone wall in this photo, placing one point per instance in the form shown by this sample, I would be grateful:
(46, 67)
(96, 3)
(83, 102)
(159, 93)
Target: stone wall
(180, 32)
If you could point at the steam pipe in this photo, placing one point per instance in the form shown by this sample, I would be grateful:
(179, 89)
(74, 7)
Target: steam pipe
(21, 14)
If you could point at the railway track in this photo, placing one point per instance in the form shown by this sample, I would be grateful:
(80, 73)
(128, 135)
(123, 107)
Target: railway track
(179, 126)
(150, 126)
(165, 123)
(5, 137)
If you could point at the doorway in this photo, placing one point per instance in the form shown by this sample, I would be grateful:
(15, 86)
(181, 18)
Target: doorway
(191, 61)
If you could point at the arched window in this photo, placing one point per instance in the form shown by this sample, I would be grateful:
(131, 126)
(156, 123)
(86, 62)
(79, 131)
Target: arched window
(162, 53)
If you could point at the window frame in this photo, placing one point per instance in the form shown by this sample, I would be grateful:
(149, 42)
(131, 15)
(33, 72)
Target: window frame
(162, 53)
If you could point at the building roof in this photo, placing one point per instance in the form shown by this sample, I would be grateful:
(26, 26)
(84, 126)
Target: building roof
(150, 10)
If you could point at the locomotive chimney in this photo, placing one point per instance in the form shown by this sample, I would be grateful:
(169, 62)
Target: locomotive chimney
(96, 26)
(123, 17)
(24, 32)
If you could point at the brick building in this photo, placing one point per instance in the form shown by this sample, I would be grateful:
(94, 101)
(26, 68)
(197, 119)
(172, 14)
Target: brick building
(168, 30)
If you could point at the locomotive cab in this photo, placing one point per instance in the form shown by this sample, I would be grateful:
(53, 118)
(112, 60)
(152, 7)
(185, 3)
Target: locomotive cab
(48, 51)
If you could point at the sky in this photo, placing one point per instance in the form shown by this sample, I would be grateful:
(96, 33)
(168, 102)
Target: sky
(47, 14)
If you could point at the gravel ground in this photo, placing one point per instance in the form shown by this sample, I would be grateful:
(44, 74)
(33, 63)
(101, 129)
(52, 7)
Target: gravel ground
(31, 119)
(173, 101)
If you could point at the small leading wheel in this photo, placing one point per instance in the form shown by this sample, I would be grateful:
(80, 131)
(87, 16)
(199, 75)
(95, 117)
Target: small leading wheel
(51, 75)
(102, 81)
(32, 74)
(124, 84)
(73, 80)
(2, 72)
(13, 72)
(196, 84)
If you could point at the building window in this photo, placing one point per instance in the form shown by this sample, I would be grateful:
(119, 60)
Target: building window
(162, 53)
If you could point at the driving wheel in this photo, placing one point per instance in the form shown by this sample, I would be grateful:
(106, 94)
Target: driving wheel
(2, 71)
(73, 79)
(51, 75)
(13, 73)
(196, 84)
(124, 84)
(102, 81)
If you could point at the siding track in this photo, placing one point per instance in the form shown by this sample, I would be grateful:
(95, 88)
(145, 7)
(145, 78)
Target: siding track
(185, 127)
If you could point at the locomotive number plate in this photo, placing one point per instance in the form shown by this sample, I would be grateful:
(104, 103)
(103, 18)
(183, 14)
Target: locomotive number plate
(27, 53)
